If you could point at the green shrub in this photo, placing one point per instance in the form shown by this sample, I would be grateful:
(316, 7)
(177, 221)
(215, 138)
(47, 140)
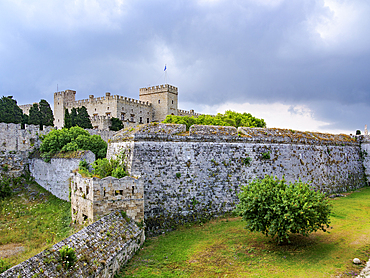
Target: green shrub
(103, 167)
(275, 208)
(5, 190)
(4, 265)
(72, 139)
(247, 161)
(266, 155)
(68, 256)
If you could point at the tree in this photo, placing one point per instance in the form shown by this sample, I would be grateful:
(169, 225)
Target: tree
(78, 117)
(35, 115)
(116, 124)
(72, 139)
(46, 114)
(275, 208)
(67, 119)
(230, 118)
(83, 118)
(10, 111)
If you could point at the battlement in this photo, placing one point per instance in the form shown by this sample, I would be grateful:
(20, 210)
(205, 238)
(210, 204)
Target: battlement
(158, 89)
(181, 112)
(107, 97)
(67, 95)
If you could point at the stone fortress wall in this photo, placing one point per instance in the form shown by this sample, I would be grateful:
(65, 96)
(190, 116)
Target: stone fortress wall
(101, 249)
(155, 104)
(92, 198)
(197, 174)
(16, 144)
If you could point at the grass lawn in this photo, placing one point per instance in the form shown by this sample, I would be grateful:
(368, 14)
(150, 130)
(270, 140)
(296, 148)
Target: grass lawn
(31, 221)
(223, 248)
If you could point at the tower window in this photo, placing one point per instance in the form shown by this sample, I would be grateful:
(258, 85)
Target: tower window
(172, 102)
(147, 120)
(159, 101)
(141, 120)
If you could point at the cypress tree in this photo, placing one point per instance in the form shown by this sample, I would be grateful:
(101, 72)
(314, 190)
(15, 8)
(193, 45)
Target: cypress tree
(83, 118)
(35, 116)
(46, 114)
(67, 119)
(73, 117)
(10, 111)
(116, 124)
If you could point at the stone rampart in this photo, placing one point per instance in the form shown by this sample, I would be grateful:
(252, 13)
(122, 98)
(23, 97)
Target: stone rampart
(92, 198)
(365, 155)
(194, 175)
(104, 134)
(54, 176)
(101, 248)
(16, 144)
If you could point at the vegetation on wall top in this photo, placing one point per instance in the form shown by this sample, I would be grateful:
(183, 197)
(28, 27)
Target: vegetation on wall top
(72, 139)
(230, 118)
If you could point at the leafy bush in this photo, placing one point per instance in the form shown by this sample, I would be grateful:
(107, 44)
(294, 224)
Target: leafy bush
(72, 139)
(275, 208)
(68, 256)
(103, 167)
(5, 190)
(230, 118)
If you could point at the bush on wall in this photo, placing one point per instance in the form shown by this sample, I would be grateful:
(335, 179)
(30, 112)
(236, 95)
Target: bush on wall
(72, 139)
(275, 208)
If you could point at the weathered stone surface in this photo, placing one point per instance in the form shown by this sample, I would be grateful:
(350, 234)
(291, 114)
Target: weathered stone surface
(54, 175)
(196, 176)
(101, 249)
(92, 198)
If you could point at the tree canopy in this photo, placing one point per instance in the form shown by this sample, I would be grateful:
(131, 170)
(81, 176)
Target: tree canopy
(72, 139)
(116, 124)
(41, 114)
(77, 117)
(230, 118)
(10, 111)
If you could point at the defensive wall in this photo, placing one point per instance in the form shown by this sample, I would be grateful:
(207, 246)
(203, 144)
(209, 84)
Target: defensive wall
(92, 198)
(101, 249)
(16, 144)
(54, 175)
(193, 175)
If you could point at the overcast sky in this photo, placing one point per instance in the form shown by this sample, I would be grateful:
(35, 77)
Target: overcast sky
(299, 64)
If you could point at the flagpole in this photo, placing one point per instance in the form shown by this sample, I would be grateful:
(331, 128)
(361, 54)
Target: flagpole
(165, 74)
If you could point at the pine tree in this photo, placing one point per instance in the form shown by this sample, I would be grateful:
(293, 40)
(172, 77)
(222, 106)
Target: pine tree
(83, 118)
(35, 116)
(46, 114)
(10, 111)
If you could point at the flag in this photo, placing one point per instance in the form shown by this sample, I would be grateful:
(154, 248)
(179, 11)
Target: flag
(165, 67)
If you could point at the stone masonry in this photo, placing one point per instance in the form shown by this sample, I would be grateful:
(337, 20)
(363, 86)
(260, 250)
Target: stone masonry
(101, 249)
(193, 175)
(92, 198)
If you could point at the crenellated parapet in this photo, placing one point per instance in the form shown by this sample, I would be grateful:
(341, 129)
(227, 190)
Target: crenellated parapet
(158, 89)
(191, 112)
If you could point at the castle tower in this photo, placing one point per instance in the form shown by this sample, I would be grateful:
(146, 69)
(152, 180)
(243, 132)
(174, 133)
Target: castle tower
(60, 101)
(164, 100)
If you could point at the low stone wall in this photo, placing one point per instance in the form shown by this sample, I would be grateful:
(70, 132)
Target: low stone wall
(193, 175)
(101, 248)
(54, 175)
(92, 198)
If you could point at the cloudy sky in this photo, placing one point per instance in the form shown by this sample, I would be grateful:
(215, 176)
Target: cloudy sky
(300, 64)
